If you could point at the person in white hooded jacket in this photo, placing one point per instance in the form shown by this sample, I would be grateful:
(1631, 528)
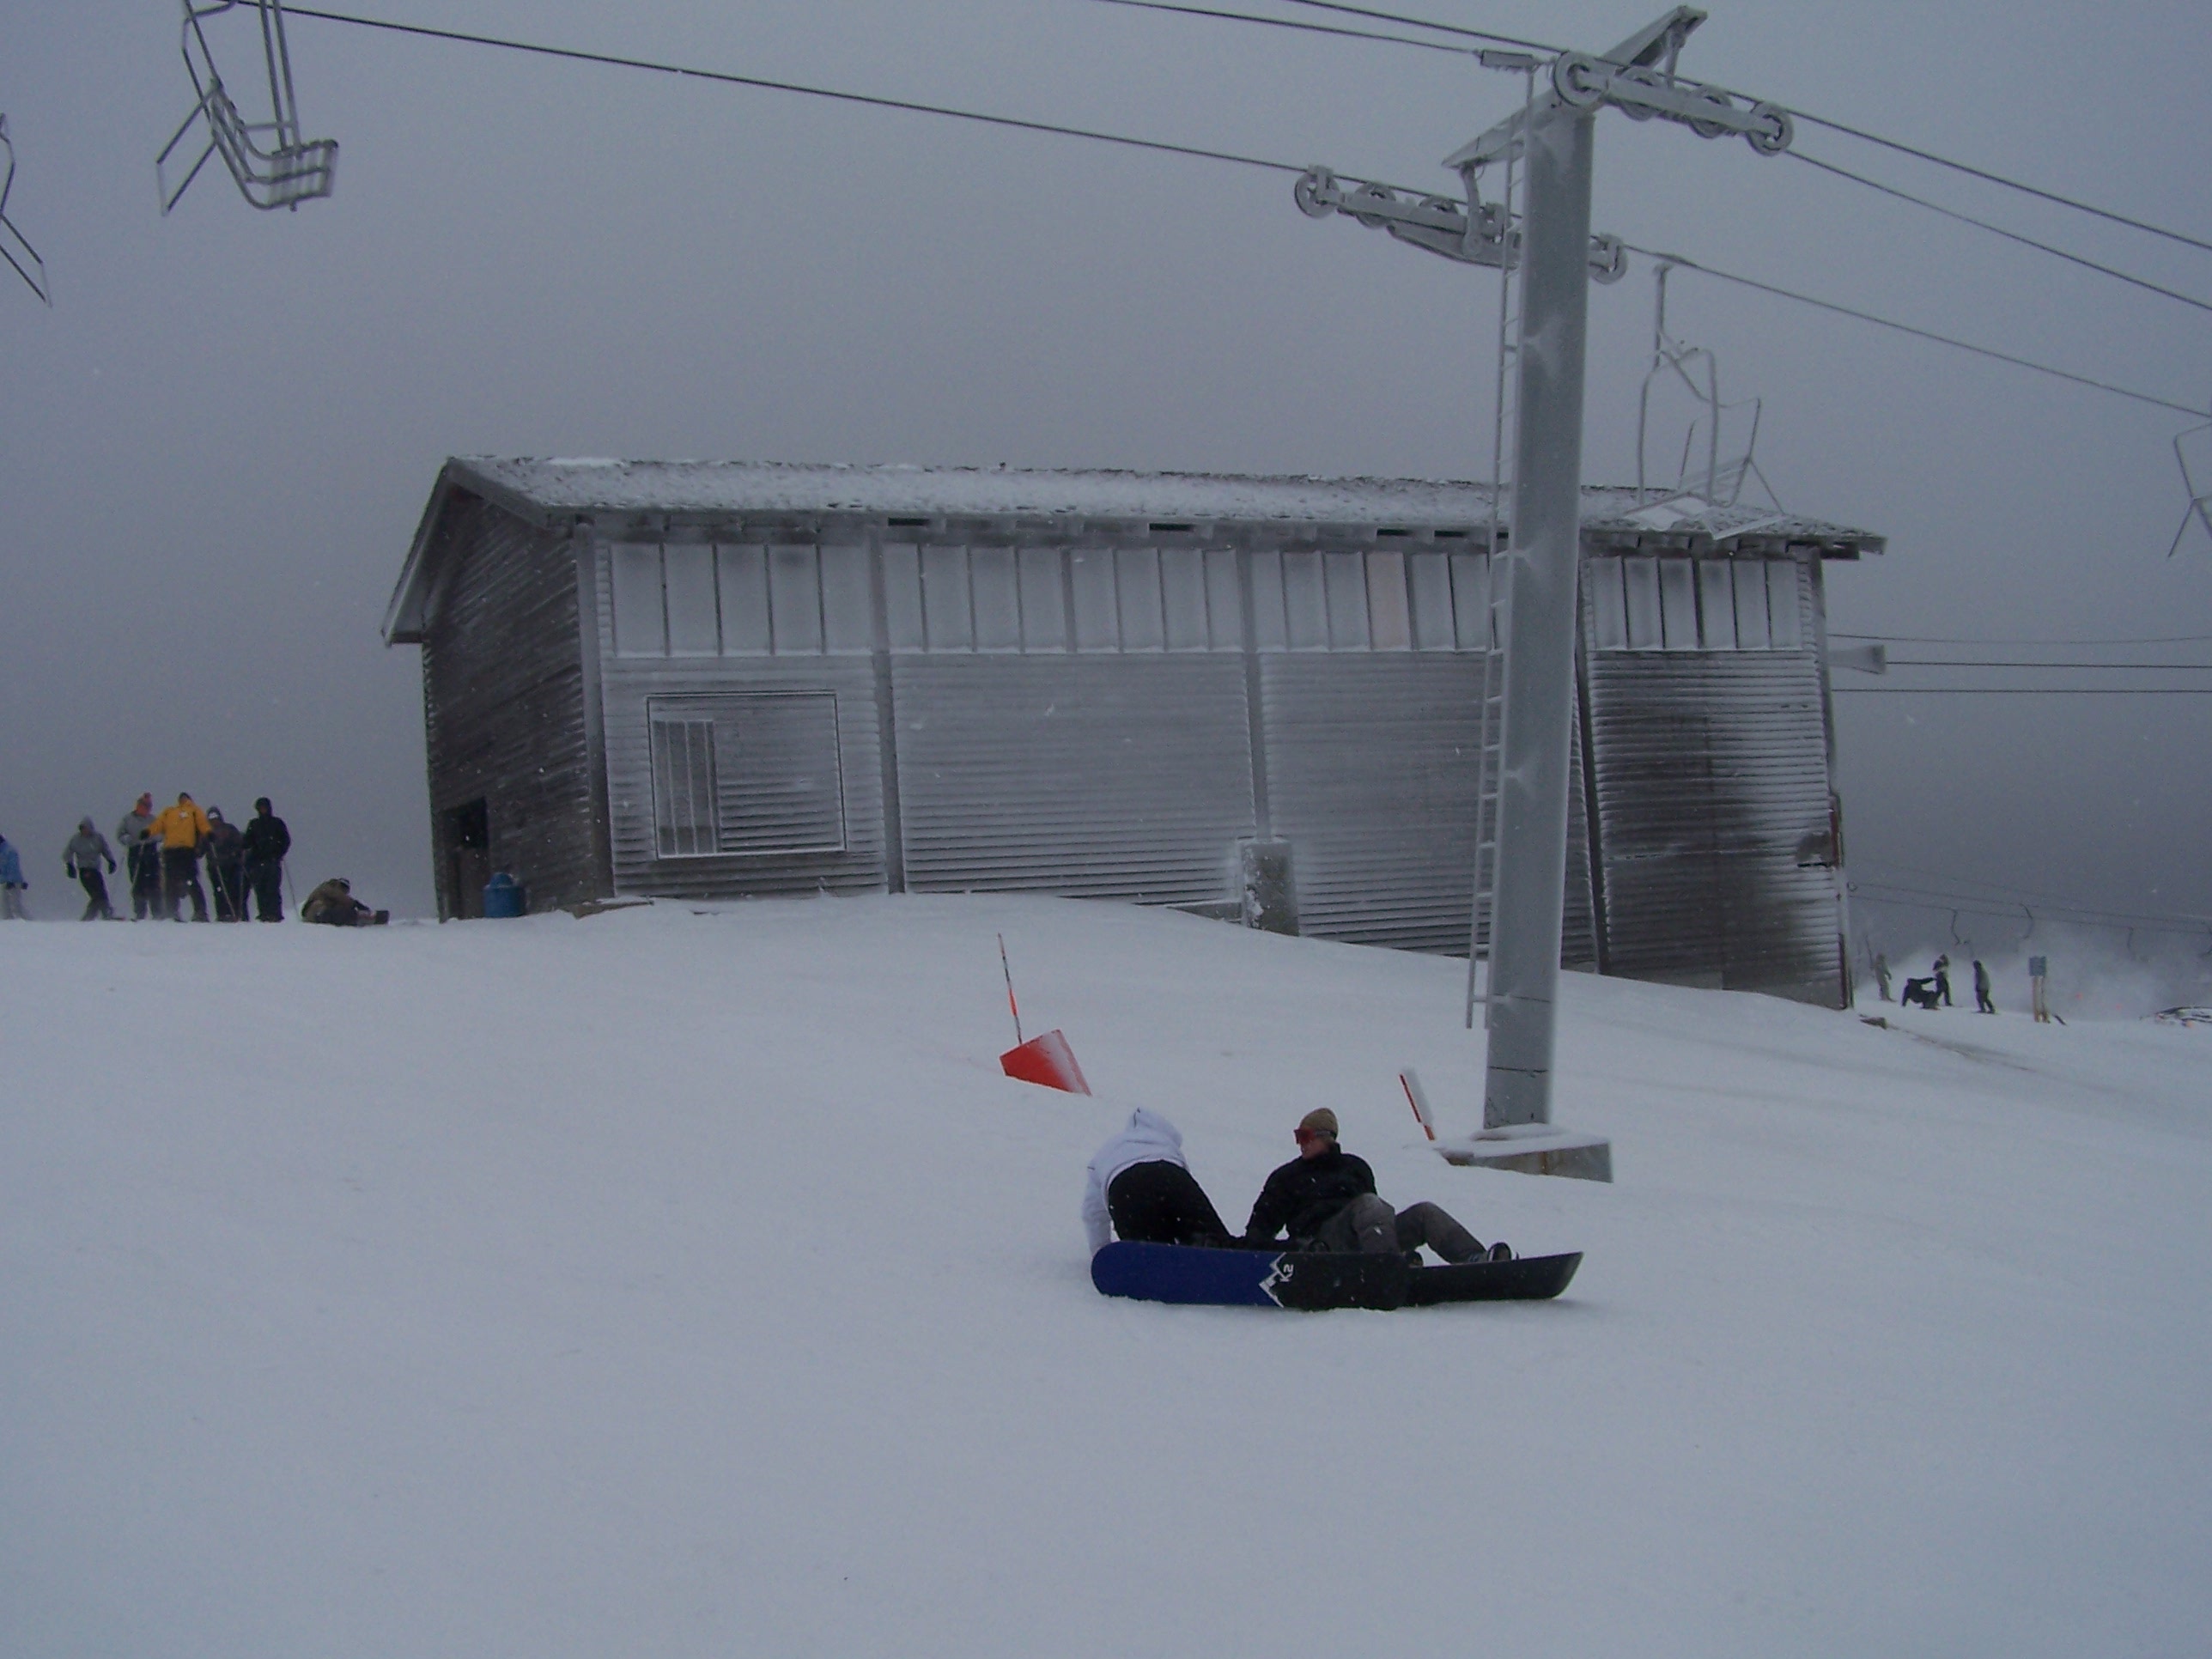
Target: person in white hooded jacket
(1139, 1188)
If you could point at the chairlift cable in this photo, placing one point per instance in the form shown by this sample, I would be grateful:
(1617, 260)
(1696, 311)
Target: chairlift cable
(1998, 230)
(764, 83)
(2079, 667)
(1918, 333)
(1926, 639)
(1196, 152)
(1335, 30)
(1374, 15)
(1807, 116)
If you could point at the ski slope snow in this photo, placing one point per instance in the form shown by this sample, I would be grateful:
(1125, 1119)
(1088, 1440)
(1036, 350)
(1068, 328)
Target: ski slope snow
(689, 1282)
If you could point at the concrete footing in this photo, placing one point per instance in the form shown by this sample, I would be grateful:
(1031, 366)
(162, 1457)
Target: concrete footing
(1534, 1149)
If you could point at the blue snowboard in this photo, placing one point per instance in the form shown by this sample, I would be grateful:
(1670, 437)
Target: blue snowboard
(1291, 1279)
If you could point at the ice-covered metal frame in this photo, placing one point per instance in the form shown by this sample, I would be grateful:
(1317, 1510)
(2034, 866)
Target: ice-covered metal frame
(1721, 485)
(14, 247)
(2200, 501)
(273, 166)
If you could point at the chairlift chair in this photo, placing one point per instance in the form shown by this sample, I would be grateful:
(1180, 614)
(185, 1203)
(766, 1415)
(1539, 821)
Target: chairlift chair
(274, 166)
(14, 247)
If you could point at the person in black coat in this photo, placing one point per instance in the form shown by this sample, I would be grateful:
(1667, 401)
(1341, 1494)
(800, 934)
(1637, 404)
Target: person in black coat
(1325, 1200)
(267, 840)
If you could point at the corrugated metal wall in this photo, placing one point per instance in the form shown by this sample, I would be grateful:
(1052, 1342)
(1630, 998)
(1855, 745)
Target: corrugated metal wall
(1709, 773)
(503, 706)
(1055, 727)
(1371, 764)
(631, 686)
(1099, 776)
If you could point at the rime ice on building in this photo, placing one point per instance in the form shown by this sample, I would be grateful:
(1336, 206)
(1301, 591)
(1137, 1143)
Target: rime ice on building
(712, 679)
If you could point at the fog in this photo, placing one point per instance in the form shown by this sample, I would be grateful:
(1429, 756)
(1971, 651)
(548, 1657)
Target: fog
(215, 446)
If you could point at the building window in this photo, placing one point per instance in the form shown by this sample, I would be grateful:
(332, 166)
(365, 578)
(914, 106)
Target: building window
(752, 773)
(684, 793)
(1639, 603)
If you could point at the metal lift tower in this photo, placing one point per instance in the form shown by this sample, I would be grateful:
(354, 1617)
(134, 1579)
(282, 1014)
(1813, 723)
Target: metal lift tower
(1552, 136)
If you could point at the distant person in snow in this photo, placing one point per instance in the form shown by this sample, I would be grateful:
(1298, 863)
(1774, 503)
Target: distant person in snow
(142, 855)
(1881, 975)
(267, 840)
(1942, 976)
(226, 862)
(83, 858)
(180, 831)
(334, 905)
(1919, 993)
(1325, 1200)
(11, 884)
(1138, 1188)
(1982, 1003)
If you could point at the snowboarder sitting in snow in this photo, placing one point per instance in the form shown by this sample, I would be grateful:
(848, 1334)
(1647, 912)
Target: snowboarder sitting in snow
(1139, 1188)
(1920, 993)
(334, 904)
(1325, 1199)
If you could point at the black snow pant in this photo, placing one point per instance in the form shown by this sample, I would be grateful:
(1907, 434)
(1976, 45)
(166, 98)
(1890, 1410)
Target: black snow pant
(1368, 1223)
(267, 880)
(96, 907)
(145, 882)
(228, 881)
(1161, 1203)
(180, 875)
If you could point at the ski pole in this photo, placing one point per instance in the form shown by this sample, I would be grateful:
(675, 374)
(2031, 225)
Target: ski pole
(1011, 1006)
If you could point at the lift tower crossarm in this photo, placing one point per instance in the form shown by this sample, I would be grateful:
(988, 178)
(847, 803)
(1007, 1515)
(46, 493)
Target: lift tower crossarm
(1631, 78)
(1443, 224)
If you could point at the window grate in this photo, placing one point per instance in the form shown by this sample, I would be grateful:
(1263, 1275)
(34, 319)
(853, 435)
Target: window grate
(684, 816)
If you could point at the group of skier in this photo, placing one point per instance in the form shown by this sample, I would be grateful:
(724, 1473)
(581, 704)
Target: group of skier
(1933, 989)
(163, 852)
(1140, 1189)
(161, 857)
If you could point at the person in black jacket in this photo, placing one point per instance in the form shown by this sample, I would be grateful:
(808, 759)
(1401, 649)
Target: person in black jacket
(267, 840)
(1325, 1200)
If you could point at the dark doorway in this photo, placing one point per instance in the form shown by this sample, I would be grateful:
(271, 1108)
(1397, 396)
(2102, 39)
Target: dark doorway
(468, 858)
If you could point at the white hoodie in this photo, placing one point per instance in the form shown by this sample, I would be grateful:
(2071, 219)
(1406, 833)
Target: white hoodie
(1149, 1138)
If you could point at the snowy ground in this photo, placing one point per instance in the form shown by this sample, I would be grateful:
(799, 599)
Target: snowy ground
(672, 1284)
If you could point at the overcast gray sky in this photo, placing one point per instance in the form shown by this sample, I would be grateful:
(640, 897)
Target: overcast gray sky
(215, 446)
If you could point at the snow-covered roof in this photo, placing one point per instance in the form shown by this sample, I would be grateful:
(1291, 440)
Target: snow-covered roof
(547, 492)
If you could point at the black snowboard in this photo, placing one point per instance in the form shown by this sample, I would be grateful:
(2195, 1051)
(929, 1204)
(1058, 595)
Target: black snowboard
(1185, 1274)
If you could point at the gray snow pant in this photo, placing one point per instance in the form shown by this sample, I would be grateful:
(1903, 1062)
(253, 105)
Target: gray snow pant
(1368, 1223)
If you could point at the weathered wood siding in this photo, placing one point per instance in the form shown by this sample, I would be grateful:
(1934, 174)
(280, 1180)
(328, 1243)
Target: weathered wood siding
(1710, 776)
(504, 710)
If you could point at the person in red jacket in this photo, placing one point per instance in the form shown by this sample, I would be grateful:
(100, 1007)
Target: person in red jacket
(180, 831)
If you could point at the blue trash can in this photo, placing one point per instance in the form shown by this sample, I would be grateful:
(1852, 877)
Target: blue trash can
(502, 896)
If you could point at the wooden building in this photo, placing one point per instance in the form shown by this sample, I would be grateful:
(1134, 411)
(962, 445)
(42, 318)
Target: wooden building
(708, 679)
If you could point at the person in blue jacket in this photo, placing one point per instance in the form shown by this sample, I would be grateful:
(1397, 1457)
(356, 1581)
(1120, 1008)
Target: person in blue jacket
(11, 884)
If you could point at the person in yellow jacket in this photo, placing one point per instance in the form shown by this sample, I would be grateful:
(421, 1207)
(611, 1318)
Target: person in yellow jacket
(180, 830)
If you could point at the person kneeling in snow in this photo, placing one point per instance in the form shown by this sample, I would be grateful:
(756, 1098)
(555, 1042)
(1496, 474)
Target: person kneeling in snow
(1139, 1188)
(333, 903)
(1325, 1199)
